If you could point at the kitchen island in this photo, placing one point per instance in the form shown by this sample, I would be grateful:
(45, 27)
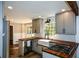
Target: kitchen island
(27, 45)
(64, 49)
(31, 38)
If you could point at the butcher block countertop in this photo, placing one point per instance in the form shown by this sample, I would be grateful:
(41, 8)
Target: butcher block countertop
(31, 38)
(62, 54)
(59, 42)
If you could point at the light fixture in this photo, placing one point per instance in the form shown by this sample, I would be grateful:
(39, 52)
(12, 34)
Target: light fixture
(39, 16)
(48, 20)
(63, 10)
(10, 7)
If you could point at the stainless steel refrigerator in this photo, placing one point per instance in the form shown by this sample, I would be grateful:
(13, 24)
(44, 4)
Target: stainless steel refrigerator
(5, 38)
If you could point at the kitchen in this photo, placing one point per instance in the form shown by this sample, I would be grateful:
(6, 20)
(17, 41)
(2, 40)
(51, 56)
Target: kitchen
(50, 34)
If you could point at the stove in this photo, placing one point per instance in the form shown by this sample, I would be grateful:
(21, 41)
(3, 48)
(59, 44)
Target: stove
(61, 48)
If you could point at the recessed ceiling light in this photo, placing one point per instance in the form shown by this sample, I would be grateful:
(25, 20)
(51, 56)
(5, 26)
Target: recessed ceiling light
(63, 10)
(10, 7)
(39, 16)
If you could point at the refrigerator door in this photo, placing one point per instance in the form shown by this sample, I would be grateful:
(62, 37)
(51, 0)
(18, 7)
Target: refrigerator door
(5, 38)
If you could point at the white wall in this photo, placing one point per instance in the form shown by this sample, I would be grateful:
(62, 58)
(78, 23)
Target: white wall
(19, 31)
(16, 32)
(64, 37)
(1, 30)
(16, 36)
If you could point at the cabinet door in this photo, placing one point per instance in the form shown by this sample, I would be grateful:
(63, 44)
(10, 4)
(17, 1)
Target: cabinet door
(34, 45)
(69, 21)
(33, 26)
(40, 49)
(38, 26)
(59, 23)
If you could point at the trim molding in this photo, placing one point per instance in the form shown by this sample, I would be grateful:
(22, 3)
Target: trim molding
(74, 6)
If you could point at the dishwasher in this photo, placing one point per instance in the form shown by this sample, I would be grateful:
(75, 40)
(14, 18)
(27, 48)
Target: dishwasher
(27, 46)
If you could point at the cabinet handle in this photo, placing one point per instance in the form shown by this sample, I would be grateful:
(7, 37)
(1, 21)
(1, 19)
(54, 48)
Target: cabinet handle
(63, 30)
(35, 30)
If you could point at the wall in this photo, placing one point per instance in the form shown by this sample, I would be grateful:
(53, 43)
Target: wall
(17, 32)
(1, 30)
(64, 37)
(25, 29)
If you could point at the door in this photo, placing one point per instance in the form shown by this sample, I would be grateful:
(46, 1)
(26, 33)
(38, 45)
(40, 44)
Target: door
(33, 26)
(11, 35)
(11, 41)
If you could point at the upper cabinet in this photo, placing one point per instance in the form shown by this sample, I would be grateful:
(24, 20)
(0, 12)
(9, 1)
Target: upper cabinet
(37, 25)
(59, 24)
(66, 23)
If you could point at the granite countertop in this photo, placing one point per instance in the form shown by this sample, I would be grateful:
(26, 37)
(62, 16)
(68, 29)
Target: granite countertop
(61, 54)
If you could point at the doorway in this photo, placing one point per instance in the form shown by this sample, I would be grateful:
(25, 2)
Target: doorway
(11, 41)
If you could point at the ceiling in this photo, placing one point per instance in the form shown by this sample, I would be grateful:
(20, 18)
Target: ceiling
(23, 12)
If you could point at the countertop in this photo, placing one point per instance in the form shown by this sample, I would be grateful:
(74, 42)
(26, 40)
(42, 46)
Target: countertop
(31, 38)
(61, 54)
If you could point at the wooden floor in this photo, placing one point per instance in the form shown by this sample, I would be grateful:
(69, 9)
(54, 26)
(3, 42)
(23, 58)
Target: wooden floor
(32, 55)
(15, 54)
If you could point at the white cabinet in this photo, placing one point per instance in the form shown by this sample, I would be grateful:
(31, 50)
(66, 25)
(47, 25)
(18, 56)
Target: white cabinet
(48, 55)
(66, 23)
(37, 25)
(40, 49)
(69, 23)
(59, 23)
(35, 47)
(34, 26)
(44, 42)
(21, 48)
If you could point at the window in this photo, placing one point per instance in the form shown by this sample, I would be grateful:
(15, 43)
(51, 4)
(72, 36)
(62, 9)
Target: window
(50, 28)
(29, 30)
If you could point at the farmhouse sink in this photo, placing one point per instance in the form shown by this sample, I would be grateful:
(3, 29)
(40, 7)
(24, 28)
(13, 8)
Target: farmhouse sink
(44, 42)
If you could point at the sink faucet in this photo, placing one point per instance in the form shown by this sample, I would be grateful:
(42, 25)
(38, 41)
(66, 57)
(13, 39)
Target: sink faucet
(46, 36)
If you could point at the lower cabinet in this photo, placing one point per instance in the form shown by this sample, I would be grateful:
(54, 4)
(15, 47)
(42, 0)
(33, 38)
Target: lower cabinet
(25, 47)
(21, 48)
(48, 55)
(35, 47)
